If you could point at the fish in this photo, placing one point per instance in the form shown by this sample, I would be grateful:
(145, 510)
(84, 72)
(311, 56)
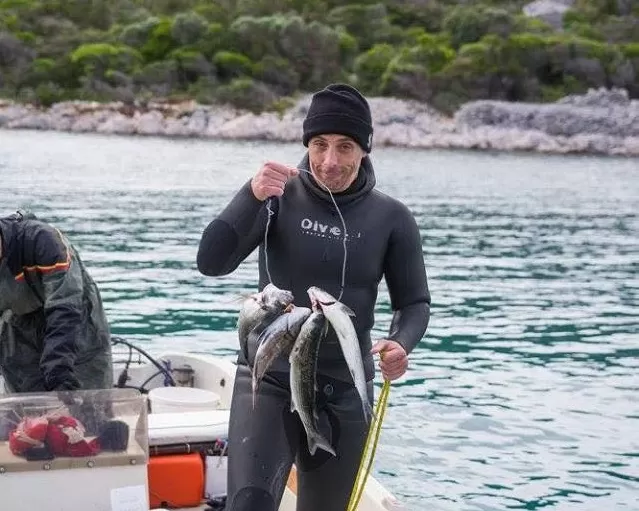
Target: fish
(277, 339)
(303, 360)
(339, 316)
(259, 310)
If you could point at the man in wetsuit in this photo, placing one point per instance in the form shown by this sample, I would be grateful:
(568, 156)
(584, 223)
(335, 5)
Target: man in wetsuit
(54, 334)
(305, 248)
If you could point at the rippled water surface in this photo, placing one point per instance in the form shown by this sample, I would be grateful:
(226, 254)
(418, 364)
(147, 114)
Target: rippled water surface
(525, 392)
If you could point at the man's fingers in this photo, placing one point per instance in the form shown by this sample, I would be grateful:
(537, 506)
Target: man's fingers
(384, 366)
(392, 355)
(393, 372)
(272, 182)
(272, 191)
(380, 347)
(272, 178)
(275, 175)
(392, 375)
(285, 171)
(269, 183)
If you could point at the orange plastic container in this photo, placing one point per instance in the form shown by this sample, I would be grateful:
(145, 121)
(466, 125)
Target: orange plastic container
(176, 480)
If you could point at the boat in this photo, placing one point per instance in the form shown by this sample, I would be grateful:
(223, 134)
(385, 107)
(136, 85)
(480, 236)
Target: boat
(181, 407)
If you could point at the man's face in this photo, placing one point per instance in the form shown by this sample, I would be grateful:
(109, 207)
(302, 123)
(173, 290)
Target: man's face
(335, 160)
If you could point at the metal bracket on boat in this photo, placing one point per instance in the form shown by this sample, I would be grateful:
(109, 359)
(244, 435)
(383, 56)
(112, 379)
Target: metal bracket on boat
(2, 470)
(183, 376)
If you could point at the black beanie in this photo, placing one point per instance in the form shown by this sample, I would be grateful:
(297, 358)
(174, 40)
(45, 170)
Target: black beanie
(340, 109)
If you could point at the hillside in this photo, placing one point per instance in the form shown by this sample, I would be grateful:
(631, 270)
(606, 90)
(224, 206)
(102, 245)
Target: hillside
(255, 53)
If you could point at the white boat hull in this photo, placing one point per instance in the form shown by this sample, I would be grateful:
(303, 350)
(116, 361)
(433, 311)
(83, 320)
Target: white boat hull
(188, 426)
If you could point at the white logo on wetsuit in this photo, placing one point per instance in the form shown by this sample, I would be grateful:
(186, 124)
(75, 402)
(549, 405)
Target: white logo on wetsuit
(315, 228)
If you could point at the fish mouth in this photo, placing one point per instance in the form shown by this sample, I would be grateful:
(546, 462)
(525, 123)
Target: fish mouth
(317, 304)
(259, 299)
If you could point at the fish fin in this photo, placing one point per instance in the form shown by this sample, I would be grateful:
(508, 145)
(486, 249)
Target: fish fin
(312, 445)
(316, 441)
(324, 330)
(346, 309)
(254, 392)
(254, 384)
(260, 338)
(287, 350)
(239, 299)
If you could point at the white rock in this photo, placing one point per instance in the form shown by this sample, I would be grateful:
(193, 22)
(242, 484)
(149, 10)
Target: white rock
(118, 124)
(11, 112)
(150, 123)
(175, 127)
(32, 121)
(601, 122)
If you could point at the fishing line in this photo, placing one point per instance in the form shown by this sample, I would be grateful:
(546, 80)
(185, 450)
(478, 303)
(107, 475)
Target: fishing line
(268, 223)
(341, 217)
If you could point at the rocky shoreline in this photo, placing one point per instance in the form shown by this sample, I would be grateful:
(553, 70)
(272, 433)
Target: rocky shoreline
(604, 122)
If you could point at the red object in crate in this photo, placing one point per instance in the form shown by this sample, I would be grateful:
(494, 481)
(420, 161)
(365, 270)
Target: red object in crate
(63, 435)
(176, 480)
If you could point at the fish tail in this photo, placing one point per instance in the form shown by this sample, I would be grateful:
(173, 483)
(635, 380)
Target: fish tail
(318, 440)
(346, 309)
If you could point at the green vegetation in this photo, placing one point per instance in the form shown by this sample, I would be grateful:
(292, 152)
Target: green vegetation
(256, 53)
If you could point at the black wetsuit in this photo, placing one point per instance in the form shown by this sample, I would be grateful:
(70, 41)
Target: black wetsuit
(305, 248)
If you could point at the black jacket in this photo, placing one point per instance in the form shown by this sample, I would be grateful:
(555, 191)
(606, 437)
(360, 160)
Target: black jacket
(53, 330)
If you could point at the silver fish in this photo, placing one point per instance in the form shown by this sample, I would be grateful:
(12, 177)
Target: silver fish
(261, 309)
(303, 359)
(338, 316)
(277, 339)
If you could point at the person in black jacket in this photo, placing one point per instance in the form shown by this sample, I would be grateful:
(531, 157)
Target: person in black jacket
(54, 335)
(306, 248)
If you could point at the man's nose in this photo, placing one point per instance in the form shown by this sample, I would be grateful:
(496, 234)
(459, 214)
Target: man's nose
(330, 157)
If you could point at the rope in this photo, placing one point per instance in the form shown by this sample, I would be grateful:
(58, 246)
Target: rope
(371, 444)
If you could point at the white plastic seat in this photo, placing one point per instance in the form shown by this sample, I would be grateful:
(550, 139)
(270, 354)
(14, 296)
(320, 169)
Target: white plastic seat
(188, 427)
